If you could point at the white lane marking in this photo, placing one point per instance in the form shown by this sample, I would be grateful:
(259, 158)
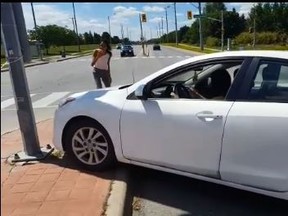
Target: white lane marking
(44, 102)
(179, 56)
(162, 56)
(170, 57)
(152, 56)
(188, 56)
(10, 102)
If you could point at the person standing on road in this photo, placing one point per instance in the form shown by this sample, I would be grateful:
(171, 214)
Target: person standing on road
(101, 64)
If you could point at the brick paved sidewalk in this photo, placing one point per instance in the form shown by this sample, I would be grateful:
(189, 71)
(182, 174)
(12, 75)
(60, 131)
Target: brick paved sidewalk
(51, 187)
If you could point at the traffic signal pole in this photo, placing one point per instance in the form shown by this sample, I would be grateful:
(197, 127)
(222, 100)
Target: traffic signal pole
(22, 98)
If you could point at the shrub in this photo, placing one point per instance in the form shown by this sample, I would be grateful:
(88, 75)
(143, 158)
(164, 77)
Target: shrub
(212, 42)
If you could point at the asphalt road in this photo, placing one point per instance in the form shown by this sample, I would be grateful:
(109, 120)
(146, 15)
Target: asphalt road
(157, 193)
(52, 82)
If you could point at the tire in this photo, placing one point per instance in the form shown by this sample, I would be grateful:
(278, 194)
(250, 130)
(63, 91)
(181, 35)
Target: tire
(98, 147)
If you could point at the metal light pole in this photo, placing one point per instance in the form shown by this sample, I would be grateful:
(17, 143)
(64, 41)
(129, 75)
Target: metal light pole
(78, 41)
(109, 28)
(200, 27)
(35, 27)
(166, 22)
(176, 31)
(254, 32)
(162, 26)
(25, 114)
(73, 23)
(222, 30)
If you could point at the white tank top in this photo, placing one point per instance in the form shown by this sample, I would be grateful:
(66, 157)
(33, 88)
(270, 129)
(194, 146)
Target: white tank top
(102, 62)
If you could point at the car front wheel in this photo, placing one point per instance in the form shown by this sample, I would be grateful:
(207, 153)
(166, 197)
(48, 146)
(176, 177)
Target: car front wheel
(89, 145)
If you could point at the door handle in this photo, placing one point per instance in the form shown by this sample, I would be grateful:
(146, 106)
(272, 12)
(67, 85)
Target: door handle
(208, 116)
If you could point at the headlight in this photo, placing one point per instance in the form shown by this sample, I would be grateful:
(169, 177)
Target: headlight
(65, 101)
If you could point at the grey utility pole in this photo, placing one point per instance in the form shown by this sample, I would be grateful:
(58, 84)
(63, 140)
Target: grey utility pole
(142, 38)
(254, 31)
(109, 28)
(78, 41)
(200, 28)
(122, 31)
(22, 33)
(35, 27)
(222, 30)
(166, 22)
(176, 31)
(22, 98)
(162, 26)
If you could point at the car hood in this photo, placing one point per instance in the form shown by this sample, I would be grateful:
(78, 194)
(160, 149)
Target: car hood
(101, 93)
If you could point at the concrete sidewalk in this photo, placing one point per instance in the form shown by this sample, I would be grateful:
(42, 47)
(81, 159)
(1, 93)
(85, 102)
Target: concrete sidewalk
(50, 187)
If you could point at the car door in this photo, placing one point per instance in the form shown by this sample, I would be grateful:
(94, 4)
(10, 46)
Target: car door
(182, 134)
(255, 142)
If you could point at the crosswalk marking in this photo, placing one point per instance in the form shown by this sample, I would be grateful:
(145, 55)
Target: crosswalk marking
(49, 99)
(10, 102)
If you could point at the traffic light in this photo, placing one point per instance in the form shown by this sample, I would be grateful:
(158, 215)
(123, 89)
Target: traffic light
(144, 18)
(189, 15)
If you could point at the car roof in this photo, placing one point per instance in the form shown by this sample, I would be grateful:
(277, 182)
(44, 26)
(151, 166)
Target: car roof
(244, 53)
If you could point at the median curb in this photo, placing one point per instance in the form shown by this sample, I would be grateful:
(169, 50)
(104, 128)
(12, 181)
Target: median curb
(116, 203)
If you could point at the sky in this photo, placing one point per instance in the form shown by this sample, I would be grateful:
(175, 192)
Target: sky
(94, 16)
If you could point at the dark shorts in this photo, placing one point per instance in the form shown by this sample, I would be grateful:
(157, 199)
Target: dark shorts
(103, 75)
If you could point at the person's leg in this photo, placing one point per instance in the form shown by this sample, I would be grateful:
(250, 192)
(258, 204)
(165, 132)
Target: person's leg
(106, 78)
(97, 79)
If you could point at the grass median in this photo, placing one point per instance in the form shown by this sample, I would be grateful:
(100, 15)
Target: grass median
(234, 48)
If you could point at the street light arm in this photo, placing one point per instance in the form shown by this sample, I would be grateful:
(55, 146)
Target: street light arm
(213, 19)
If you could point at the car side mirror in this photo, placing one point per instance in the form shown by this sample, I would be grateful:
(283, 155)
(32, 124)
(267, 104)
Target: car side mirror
(140, 92)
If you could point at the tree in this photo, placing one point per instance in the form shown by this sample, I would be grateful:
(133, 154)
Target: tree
(116, 40)
(53, 35)
(96, 38)
(270, 17)
(233, 23)
(106, 36)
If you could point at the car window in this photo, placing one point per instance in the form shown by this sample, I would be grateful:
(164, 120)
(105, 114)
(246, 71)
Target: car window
(270, 83)
(207, 81)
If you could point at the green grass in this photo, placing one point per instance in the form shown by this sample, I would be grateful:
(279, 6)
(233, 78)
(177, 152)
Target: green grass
(264, 47)
(217, 49)
(191, 48)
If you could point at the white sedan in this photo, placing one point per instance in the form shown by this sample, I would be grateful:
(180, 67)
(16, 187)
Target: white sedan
(220, 117)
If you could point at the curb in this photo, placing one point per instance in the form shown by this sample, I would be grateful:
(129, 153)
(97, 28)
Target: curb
(47, 62)
(116, 203)
(28, 65)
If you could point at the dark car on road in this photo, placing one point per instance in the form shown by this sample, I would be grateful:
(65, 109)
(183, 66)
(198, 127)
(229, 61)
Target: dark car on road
(127, 50)
(156, 47)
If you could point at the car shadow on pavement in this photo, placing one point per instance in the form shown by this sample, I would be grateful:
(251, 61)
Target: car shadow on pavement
(66, 163)
(164, 192)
